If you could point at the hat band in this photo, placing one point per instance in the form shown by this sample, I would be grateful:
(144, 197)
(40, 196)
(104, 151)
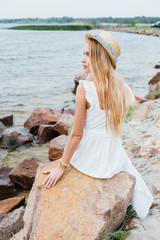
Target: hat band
(107, 44)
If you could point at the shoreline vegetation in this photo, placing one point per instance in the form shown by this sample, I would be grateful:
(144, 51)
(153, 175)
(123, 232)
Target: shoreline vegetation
(145, 30)
(53, 27)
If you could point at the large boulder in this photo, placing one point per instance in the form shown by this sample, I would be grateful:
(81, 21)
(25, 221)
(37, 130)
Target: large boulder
(7, 119)
(42, 116)
(10, 204)
(80, 76)
(56, 147)
(11, 223)
(12, 138)
(6, 186)
(63, 124)
(154, 83)
(23, 175)
(69, 111)
(77, 207)
(2, 127)
(46, 133)
(142, 111)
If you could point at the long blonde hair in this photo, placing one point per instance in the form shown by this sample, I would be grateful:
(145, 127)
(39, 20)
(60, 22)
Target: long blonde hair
(111, 84)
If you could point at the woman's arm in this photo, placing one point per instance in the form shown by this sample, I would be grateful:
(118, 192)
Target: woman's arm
(78, 125)
(74, 137)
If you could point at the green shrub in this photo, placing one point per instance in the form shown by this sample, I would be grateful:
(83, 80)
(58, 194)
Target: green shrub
(132, 23)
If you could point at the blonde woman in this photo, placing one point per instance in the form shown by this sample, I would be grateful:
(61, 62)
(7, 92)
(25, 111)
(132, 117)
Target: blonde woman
(94, 146)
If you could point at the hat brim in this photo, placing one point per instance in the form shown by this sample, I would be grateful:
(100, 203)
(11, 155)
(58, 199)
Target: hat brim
(90, 36)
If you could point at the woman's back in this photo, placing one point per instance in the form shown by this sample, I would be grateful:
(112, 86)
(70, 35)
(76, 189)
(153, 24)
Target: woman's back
(95, 122)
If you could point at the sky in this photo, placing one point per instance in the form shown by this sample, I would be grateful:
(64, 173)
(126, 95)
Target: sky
(78, 8)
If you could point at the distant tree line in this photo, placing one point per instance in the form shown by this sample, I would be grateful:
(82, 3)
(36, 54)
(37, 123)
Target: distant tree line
(66, 19)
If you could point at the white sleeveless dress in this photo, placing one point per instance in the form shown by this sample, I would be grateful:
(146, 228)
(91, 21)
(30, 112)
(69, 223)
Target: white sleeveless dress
(100, 154)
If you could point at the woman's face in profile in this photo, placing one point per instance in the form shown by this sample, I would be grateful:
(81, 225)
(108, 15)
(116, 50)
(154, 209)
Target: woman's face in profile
(86, 59)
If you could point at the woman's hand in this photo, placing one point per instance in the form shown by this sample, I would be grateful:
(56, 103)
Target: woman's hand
(53, 177)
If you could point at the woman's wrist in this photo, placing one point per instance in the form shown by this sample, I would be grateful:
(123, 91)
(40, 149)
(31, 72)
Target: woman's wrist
(61, 165)
(64, 164)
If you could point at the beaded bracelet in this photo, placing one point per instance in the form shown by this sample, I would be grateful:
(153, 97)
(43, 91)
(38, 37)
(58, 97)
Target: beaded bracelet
(62, 166)
(64, 163)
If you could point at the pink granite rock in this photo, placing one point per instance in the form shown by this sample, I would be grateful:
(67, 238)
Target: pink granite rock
(63, 124)
(23, 175)
(77, 207)
(12, 138)
(56, 147)
(10, 204)
(80, 76)
(11, 223)
(142, 111)
(6, 186)
(46, 133)
(42, 116)
(7, 120)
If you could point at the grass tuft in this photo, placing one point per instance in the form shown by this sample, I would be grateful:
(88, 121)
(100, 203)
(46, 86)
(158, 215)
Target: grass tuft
(122, 233)
(155, 94)
(130, 110)
(117, 235)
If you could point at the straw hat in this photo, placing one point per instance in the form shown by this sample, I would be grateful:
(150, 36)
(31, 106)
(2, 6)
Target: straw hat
(109, 43)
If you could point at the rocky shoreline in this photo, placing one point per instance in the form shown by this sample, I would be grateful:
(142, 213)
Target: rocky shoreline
(142, 145)
(149, 32)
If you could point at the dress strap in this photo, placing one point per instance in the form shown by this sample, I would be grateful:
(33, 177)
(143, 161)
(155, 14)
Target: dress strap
(89, 92)
(95, 95)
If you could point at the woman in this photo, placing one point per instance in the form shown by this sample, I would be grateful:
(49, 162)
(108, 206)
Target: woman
(94, 146)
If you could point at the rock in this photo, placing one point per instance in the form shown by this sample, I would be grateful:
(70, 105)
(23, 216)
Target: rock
(154, 83)
(129, 144)
(77, 207)
(155, 190)
(155, 79)
(142, 111)
(149, 146)
(2, 127)
(6, 186)
(46, 133)
(69, 111)
(42, 116)
(11, 224)
(135, 149)
(80, 76)
(13, 138)
(10, 204)
(157, 66)
(56, 147)
(23, 175)
(157, 161)
(148, 229)
(7, 120)
(63, 124)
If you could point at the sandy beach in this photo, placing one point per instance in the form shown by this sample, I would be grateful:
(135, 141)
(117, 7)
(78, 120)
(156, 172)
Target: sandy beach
(141, 139)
